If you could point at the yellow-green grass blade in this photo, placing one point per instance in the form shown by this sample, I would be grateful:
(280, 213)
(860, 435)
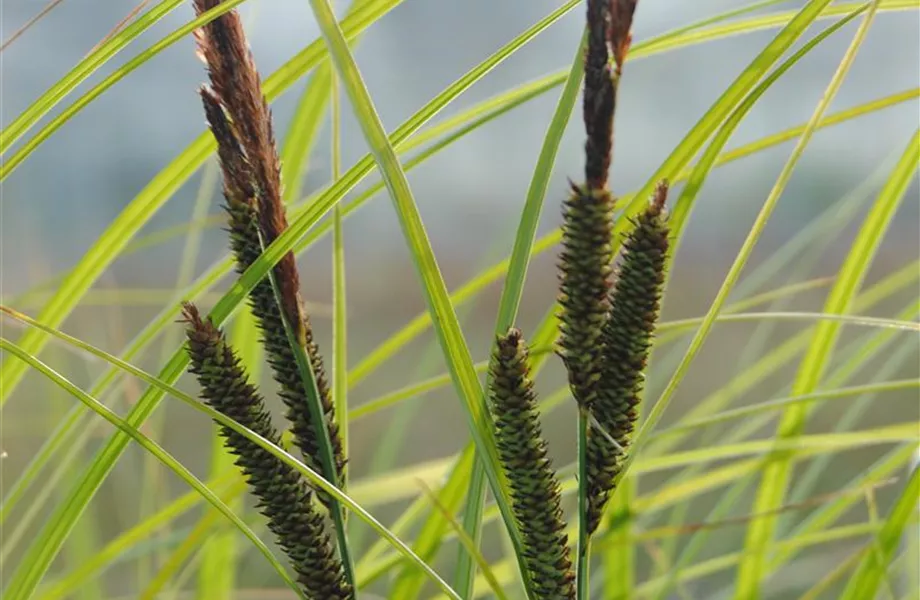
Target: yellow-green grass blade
(731, 497)
(775, 478)
(864, 352)
(181, 556)
(827, 515)
(92, 566)
(279, 453)
(727, 102)
(796, 26)
(729, 561)
(110, 243)
(152, 487)
(794, 260)
(781, 403)
(420, 324)
(431, 534)
(26, 577)
(683, 207)
(715, 477)
(292, 70)
(514, 281)
(894, 360)
(450, 336)
(301, 134)
(408, 581)
(769, 363)
(504, 571)
(85, 68)
(773, 20)
(471, 547)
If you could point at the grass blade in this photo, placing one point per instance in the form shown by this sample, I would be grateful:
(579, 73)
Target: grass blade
(795, 28)
(450, 336)
(865, 581)
(25, 578)
(516, 275)
(775, 479)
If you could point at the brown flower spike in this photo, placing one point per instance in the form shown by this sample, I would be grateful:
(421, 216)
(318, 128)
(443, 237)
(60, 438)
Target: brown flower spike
(535, 495)
(284, 497)
(240, 120)
(627, 340)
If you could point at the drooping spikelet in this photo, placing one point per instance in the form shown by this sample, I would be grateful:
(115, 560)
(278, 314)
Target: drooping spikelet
(535, 496)
(627, 339)
(284, 497)
(240, 120)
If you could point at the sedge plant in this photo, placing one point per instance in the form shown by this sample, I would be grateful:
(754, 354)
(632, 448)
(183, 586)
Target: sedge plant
(555, 532)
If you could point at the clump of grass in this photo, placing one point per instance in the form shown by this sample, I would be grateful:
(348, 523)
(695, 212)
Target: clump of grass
(535, 492)
(284, 497)
(240, 120)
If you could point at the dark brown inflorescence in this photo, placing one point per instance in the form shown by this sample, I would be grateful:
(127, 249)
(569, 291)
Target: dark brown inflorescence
(585, 280)
(284, 498)
(535, 495)
(598, 102)
(626, 338)
(240, 120)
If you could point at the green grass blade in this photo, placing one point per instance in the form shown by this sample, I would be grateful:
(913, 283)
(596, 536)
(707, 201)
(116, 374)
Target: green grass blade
(701, 171)
(84, 69)
(775, 479)
(472, 548)
(871, 570)
(311, 56)
(420, 324)
(323, 441)
(142, 208)
(514, 280)
(122, 545)
(451, 338)
(536, 194)
(160, 384)
(780, 403)
(26, 577)
(339, 306)
(795, 28)
(301, 134)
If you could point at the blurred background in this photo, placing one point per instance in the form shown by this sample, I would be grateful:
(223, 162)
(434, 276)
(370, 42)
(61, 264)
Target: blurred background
(68, 191)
